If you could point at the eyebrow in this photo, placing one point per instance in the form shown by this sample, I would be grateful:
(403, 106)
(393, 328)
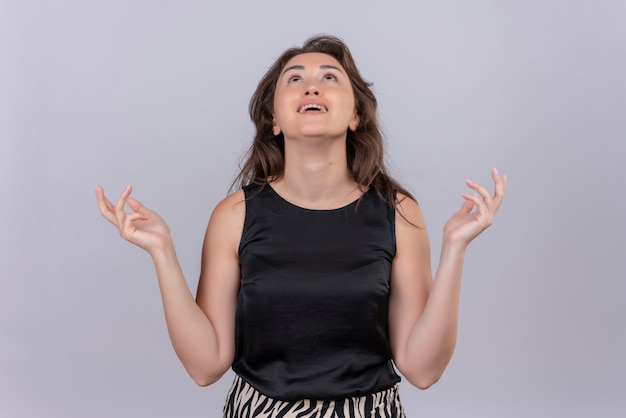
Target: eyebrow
(301, 67)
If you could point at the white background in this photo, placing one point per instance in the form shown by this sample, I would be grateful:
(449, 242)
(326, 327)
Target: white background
(155, 93)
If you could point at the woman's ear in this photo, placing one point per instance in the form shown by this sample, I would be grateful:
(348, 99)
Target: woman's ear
(354, 122)
(275, 128)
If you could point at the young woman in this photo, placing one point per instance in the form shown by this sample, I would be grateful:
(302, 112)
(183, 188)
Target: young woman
(315, 278)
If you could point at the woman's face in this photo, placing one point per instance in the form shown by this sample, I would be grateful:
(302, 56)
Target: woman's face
(314, 98)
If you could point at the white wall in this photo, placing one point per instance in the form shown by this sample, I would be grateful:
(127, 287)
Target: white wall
(155, 93)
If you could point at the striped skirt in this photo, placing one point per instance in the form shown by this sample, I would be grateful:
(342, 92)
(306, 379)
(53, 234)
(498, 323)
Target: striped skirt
(244, 401)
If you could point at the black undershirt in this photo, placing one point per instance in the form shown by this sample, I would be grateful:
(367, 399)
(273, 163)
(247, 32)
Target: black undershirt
(313, 304)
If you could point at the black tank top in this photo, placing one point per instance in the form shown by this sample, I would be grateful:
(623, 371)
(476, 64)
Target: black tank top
(313, 303)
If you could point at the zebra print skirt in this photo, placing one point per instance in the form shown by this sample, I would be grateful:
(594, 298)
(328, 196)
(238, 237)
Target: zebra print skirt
(244, 401)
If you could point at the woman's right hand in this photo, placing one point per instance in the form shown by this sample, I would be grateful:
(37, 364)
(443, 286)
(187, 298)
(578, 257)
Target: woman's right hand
(142, 227)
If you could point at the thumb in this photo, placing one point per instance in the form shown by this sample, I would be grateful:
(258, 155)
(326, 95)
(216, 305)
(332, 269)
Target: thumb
(136, 205)
(467, 207)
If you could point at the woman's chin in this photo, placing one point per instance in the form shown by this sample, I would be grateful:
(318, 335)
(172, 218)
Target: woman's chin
(315, 132)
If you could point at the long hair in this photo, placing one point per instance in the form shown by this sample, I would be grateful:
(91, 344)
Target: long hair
(265, 160)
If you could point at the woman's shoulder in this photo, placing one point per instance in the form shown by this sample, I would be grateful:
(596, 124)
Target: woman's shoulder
(408, 209)
(230, 209)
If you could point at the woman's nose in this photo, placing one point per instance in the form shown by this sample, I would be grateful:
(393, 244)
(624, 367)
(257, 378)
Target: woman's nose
(311, 90)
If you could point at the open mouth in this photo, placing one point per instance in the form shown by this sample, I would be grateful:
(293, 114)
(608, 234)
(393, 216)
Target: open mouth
(312, 107)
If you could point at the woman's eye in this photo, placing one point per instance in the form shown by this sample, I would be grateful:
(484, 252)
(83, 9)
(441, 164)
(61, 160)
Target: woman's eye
(330, 77)
(294, 78)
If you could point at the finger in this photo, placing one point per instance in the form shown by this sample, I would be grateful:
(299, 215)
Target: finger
(137, 206)
(106, 207)
(129, 228)
(467, 206)
(481, 190)
(500, 187)
(474, 199)
(482, 212)
(495, 175)
(121, 204)
(132, 217)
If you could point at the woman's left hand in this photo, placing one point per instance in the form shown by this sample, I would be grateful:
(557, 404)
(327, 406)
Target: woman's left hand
(467, 223)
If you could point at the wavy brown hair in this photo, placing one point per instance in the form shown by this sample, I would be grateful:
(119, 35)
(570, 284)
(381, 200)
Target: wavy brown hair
(265, 159)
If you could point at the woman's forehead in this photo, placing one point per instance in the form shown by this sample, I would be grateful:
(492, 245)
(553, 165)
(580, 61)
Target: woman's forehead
(312, 59)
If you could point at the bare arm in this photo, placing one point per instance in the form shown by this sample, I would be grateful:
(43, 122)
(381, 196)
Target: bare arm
(423, 314)
(202, 333)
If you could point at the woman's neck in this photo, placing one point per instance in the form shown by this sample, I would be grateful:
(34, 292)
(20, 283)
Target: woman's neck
(317, 177)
